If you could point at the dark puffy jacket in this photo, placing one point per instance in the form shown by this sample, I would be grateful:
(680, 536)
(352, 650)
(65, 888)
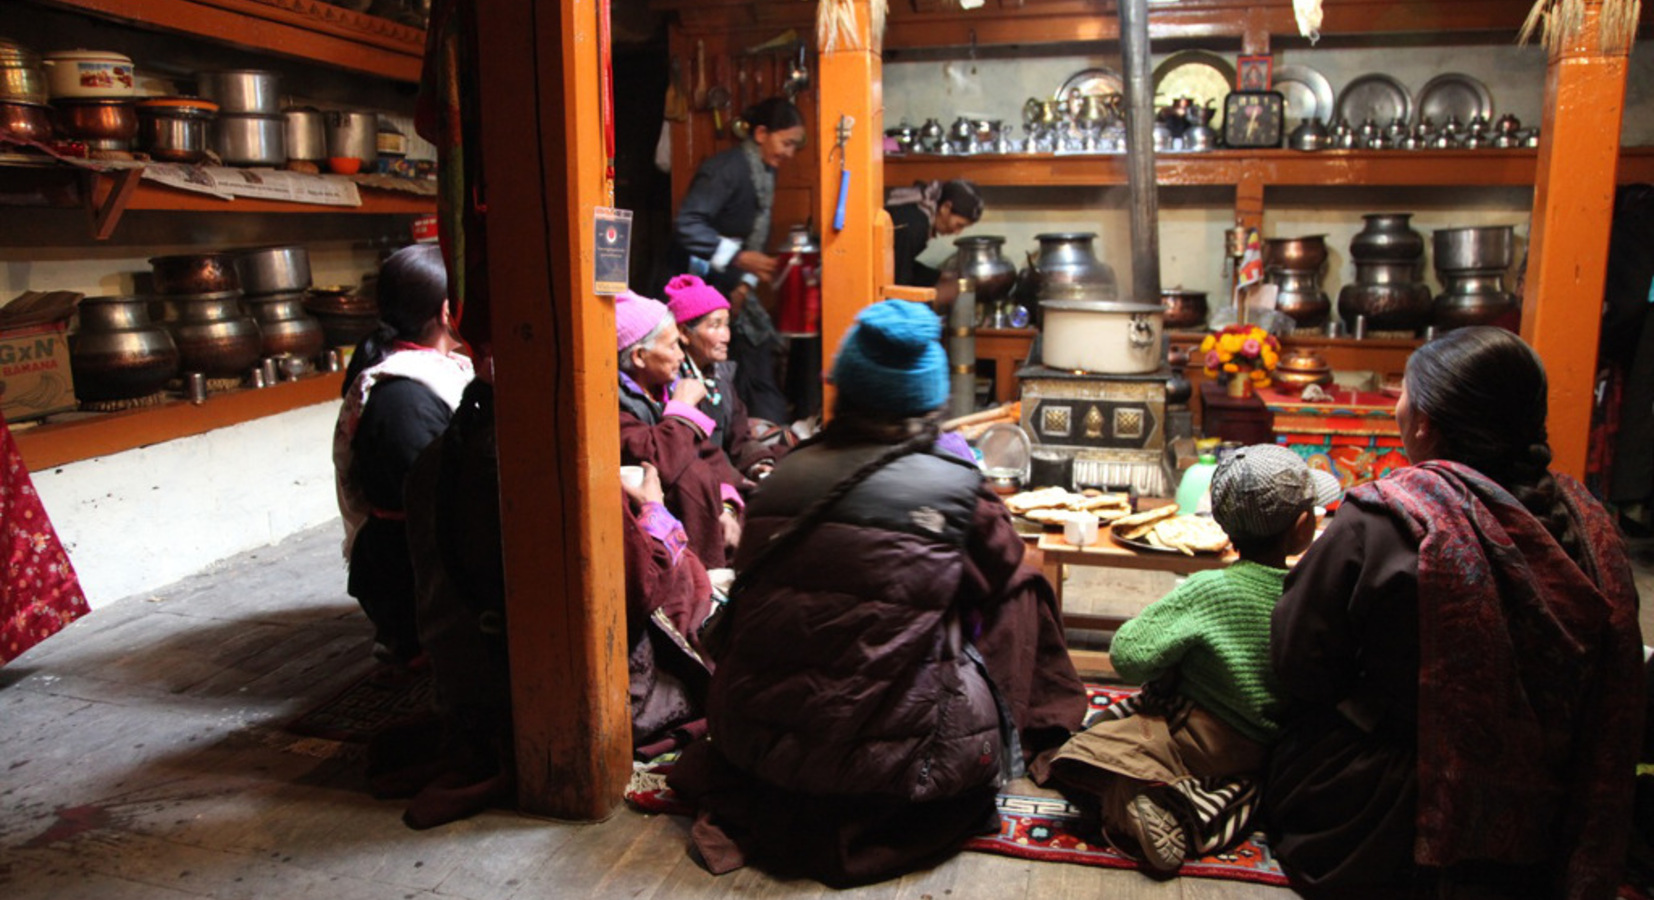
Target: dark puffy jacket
(844, 670)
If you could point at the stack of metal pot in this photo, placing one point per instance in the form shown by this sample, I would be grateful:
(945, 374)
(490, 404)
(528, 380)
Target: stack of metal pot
(1294, 266)
(274, 284)
(1387, 291)
(1084, 325)
(118, 354)
(250, 129)
(1472, 263)
(198, 296)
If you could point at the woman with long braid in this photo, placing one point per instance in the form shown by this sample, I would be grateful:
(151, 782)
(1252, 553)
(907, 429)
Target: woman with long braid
(1463, 649)
(886, 657)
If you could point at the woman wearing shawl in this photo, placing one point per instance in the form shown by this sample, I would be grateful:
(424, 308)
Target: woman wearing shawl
(702, 315)
(722, 233)
(403, 384)
(661, 424)
(929, 209)
(1463, 650)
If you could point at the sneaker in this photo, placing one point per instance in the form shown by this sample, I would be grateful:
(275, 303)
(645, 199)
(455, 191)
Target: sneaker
(1158, 833)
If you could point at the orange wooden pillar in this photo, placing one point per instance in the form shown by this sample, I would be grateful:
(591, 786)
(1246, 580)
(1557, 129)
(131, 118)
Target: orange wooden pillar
(558, 422)
(852, 259)
(1573, 207)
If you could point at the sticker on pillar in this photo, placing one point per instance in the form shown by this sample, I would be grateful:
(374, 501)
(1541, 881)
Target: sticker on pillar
(612, 259)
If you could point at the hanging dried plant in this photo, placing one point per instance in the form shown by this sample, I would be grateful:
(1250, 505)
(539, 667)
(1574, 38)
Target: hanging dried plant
(838, 17)
(1560, 19)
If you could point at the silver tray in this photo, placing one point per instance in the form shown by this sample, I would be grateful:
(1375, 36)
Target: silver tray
(1203, 77)
(1308, 93)
(1375, 96)
(1099, 81)
(1454, 94)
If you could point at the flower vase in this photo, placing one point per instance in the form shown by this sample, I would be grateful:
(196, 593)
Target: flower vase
(1239, 385)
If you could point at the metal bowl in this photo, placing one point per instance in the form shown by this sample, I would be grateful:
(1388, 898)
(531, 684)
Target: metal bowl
(25, 121)
(243, 91)
(1298, 254)
(273, 270)
(194, 274)
(103, 123)
(1484, 247)
(247, 140)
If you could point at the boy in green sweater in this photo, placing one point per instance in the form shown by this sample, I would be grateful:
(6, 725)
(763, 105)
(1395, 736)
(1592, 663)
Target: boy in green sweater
(1175, 772)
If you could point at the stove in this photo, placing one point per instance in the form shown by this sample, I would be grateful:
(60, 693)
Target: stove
(1114, 426)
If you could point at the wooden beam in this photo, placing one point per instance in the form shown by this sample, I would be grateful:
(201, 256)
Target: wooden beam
(558, 420)
(853, 259)
(1573, 210)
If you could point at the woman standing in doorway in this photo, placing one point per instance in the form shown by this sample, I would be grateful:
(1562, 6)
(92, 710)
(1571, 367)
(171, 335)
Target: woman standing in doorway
(722, 233)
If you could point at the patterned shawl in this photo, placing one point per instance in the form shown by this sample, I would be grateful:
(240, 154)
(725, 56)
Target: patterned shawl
(1530, 684)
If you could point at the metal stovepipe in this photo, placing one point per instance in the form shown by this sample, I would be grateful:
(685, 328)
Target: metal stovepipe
(1145, 203)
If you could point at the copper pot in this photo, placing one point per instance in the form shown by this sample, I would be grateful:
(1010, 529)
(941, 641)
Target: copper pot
(118, 353)
(102, 123)
(1184, 309)
(286, 328)
(25, 121)
(195, 273)
(214, 335)
(1296, 254)
(346, 315)
(1301, 368)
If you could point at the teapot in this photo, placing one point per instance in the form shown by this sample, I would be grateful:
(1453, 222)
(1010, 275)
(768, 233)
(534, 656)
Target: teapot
(960, 134)
(1309, 135)
(931, 136)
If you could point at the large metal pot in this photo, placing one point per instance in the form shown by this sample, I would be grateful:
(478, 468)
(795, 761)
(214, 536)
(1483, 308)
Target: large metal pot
(347, 315)
(1386, 236)
(273, 270)
(1103, 336)
(1296, 254)
(1070, 270)
(353, 134)
(306, 133)
(21, 78)
(1184, 309)
(1484, 248)
(174, 129)
(118, 353)
(214, 335)
(243, 91)
(979, 260)
(105, 124)
(195, 273)
(286, 329)
(246, 140)
(25, 121)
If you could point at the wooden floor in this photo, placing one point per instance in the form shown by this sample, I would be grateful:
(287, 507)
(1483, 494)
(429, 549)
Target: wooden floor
(142, 756)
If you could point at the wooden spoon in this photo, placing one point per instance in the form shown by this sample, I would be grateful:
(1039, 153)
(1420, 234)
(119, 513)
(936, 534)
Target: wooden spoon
(700, 75)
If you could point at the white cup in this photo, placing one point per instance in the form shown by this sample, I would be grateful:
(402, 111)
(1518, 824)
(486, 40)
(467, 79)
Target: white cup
(631, 476)
(1080, 530)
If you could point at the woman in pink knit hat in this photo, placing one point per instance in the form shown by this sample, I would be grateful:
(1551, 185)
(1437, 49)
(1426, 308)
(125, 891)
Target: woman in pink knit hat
(702, 315)
(661, 424)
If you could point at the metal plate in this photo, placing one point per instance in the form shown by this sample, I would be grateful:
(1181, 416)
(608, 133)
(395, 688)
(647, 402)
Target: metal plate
(1308, 93)
(1377, 97)
(1094, 82)
(1204, 77)
(1454, 95)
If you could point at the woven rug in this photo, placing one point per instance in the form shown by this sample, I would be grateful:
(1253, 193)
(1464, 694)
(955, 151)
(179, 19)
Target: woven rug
(383, 695)
(1042, 827)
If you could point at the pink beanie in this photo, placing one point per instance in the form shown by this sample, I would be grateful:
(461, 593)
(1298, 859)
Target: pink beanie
(636, 316)
(689, 298)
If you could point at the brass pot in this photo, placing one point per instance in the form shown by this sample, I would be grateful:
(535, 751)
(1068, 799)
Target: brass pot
(346, 315)
(25, 121)
(1299, 369)
(1296, 254)
(118, 353)
(1184, 309)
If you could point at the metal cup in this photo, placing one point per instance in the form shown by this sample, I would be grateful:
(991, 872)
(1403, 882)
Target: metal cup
(1360, 327)
(195, 387)
(267, 368)
(257, 377)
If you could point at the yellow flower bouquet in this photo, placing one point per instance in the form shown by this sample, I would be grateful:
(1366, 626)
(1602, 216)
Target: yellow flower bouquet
(1244, 351)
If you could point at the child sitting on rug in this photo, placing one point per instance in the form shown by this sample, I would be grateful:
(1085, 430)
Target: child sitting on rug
(1173, 774)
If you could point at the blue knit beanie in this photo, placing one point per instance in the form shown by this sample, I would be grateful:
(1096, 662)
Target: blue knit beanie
(892, 361)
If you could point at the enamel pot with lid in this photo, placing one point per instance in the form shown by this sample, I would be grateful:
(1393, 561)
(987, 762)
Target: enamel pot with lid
(1104, 336)
(88, 74)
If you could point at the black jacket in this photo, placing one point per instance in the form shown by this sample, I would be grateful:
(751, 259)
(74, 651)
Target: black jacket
(722, 202)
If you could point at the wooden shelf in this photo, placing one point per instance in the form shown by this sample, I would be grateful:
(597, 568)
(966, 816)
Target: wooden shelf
(72, 437)
(1348, 168)
(299, 29)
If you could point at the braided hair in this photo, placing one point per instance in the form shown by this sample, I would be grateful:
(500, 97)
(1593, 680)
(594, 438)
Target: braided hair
(412, 286)
(1484, 391)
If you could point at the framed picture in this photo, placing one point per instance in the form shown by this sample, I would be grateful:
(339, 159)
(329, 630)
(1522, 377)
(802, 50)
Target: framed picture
(1253, 118)
(1252, 73)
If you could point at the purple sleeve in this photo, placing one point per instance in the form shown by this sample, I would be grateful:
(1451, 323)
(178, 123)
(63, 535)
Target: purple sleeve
(691, 415)
(659, 523)
(953, 443)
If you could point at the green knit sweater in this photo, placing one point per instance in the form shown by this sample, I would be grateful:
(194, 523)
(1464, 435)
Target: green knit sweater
(1213, 629)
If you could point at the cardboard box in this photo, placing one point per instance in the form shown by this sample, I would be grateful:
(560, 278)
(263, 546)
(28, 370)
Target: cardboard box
(34, 372)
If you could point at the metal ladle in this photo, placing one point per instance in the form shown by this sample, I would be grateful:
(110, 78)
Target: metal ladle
(798, 77)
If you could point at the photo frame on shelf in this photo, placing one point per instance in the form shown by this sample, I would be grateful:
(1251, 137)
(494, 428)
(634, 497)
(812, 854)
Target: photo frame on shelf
(1253, 73)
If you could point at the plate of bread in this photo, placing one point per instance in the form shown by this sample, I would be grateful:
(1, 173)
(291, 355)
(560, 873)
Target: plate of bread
(1055, 506)
(1162, 530)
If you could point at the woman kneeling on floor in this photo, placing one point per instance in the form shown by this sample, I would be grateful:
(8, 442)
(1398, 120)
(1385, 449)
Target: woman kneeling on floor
(886, 660)
(1173, 773)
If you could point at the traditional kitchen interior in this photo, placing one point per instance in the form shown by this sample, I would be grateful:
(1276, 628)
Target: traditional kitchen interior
(242, 466)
